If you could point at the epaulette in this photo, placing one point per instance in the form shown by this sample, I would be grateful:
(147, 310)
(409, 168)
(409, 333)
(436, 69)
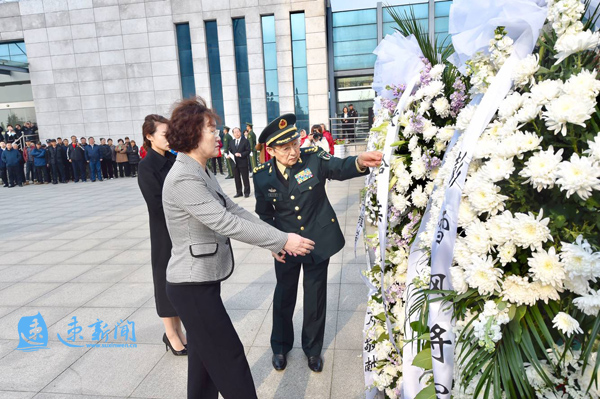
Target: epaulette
(261, 167)
(309, 150)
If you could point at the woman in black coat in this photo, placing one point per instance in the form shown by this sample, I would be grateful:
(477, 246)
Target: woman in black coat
(133, 156)
(152, 172)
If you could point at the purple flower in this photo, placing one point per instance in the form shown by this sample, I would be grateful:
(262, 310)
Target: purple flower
(416, 123)
(458, 97)
(425, 76)
(431, 161)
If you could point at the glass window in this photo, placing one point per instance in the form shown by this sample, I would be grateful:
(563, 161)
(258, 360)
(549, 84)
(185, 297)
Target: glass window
(270, 60)
(358, 17)
(299, 70)
(14, 52)
(421, 12)
(442, 14)
(186, 63)
(241, 67)
(354, 39)
(355, 90)
(214, 69)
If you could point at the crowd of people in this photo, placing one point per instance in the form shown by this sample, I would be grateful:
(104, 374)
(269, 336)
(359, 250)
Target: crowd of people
(60, 161)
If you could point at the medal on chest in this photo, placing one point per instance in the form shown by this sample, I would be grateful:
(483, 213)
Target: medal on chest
(303, 176)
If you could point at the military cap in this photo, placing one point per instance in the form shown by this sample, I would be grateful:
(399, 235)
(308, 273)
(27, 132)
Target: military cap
(226, 127)
(280, 131)
(249, 124)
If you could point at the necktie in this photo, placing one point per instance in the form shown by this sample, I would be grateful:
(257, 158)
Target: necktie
(287, 173)
(237, 142)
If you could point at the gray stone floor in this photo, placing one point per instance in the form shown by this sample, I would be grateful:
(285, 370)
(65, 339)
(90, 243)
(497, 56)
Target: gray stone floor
(83, 250)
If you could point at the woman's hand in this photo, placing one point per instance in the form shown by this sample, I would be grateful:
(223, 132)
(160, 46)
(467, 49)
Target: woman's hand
(298, 245)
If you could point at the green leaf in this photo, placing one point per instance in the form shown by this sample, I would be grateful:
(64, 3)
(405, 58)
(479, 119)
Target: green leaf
(423, 359)
(427, 393)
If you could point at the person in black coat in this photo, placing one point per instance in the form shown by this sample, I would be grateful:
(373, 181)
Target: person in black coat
(133, 156)
(153, 170)
(240, 148)
(55, 160)
(76, 156)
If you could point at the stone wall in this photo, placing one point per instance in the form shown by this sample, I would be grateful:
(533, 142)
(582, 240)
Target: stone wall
(99, 66)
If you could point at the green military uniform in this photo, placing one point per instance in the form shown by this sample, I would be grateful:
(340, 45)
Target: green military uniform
(226, 140)
(299, 204)
(252, 140)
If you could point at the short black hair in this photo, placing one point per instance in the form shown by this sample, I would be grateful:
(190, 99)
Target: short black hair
(126, 138)
(89, 138)
(120, 141)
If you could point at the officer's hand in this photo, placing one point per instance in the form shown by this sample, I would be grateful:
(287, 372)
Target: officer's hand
(298, 245)
(370, 159)
(280, 257)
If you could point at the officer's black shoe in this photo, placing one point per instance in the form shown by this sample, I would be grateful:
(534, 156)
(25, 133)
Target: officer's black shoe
(279, 361)
(229, 177)
(246, 195)
(237, 195)
(315, 363)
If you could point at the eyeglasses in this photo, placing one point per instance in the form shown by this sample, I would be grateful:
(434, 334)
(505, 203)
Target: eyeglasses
(286, 150)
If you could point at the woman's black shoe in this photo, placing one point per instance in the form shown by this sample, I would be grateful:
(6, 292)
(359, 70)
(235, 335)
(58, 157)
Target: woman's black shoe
(182, 352)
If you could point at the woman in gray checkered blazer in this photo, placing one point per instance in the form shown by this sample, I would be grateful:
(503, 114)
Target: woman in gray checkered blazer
(201, 220)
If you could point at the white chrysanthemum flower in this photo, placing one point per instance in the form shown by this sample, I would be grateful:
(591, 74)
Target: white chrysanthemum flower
(568, 44)
(518, 290)
(510, 105)
(529, 231)
(484, 196)
(400, 202)
(579, 259)
(418, 169)
(578, 175)
(577, 284)
(445, 133)
(527, 141)
(424, 107)
(413, 143)
(540, 168)
(457, 274)
(546, 91)
(506, 253)
(433, 89)
(594, 148)
(462, 254)
(536, 381)
(500, 228)
(523, 73)
(588, 304)
(497, 169)
(546, 267)
(466, 215)
(464, 118)
(584, 84)
(528, 112)
(545, 293)
(442, 107)
(477, 237)
(419, 197)
(436, 71)
(481, 275)
(567, 109)
(566, 324)
(429, 130)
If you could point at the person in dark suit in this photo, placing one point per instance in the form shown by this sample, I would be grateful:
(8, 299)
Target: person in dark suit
(226, 139)
(353, 115)
(202, 220)
(240, 148)
(153, 170)
(55, 160)
(76, 156)
(290, 195)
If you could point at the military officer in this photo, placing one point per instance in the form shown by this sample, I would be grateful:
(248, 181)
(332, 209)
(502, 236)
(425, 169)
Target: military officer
(290, 195)
(252, 139)
(226, 140)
